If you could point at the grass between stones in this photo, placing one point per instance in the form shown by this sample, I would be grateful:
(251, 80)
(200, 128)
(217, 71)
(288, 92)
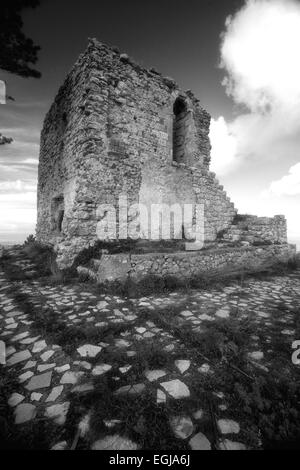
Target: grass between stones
(30, 436)
(53, 328)
(265, 403)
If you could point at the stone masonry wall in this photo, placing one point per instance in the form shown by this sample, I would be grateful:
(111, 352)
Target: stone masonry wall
(121, 267)
(63, 140)
(111, 132)
(259, 229)
(199, 263)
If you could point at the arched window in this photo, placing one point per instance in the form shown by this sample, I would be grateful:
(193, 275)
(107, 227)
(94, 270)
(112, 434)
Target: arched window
(179, 130)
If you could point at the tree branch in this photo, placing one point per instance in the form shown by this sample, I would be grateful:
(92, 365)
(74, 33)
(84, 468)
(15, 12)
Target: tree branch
(17, 52)
(5, 140)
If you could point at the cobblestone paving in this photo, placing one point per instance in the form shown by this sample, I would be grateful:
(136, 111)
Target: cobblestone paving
(52, 376)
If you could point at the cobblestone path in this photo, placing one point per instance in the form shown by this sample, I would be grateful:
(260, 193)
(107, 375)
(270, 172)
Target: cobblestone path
(106, 372)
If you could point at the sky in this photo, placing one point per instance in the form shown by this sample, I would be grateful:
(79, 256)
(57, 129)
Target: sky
(240, 58)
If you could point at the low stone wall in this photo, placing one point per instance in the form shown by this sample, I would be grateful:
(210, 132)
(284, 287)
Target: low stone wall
(256, 229)
(122, 267)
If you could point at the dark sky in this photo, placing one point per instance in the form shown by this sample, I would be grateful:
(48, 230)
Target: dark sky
(180, 39)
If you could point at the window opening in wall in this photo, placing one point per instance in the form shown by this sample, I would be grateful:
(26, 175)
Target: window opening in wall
(179, 130)
(60, 219)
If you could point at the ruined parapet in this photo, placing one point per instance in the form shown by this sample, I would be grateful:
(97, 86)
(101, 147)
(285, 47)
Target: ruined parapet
(255, 229)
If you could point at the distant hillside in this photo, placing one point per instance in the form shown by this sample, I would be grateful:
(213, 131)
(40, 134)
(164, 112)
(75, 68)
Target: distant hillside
(15, 239)
(9, 242)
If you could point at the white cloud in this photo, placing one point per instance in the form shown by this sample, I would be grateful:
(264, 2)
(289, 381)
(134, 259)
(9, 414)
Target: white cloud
(288, 185)
(260, 52)
(2, 92)
(224, 146)
(8, 228)
(20, 148)
(260, 56)
(18, 212)
(21, 199)
(16, 186)
(18, 200)
(30, 161)
(19, 160)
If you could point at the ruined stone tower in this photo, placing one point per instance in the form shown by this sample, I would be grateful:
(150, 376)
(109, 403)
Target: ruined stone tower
(118, 128)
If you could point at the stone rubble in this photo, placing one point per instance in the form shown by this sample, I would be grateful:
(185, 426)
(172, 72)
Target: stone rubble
(182, 426)
(200, 442)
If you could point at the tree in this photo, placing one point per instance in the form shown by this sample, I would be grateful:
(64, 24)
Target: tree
(5, 140)
(18, 53)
